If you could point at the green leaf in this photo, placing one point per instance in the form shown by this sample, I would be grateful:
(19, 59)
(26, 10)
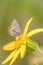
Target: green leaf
(32, 45)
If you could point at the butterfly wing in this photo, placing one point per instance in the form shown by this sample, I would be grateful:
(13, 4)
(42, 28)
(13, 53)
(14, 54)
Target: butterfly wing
(14, 28)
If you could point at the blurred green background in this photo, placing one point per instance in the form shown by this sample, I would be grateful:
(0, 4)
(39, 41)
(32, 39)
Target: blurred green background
(21, 10)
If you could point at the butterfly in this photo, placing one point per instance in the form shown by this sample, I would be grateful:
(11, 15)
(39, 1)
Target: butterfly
(14, 28)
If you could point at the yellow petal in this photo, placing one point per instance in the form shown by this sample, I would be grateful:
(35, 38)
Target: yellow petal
(9, 57)
(27, 25)
(9, 46)
(15, 57)
(34, 32)
(22, 50)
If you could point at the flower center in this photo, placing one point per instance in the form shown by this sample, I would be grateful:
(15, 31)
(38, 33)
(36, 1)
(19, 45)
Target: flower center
(22, 39)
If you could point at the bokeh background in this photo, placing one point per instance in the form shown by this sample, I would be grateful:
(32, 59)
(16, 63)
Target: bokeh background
(21, 10)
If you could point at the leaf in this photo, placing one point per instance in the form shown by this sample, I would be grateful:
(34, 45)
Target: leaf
(32, 45)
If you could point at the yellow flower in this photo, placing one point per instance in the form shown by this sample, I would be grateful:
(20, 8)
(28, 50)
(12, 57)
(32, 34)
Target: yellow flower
(18, 47)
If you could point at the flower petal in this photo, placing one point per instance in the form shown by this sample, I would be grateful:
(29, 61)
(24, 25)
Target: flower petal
(9, 46)
(15, 57)
(22, 50)
(34, 32)
(27, 25)
(9, 57)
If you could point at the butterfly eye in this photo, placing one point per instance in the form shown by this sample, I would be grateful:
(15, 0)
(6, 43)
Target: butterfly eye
(14, 29)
